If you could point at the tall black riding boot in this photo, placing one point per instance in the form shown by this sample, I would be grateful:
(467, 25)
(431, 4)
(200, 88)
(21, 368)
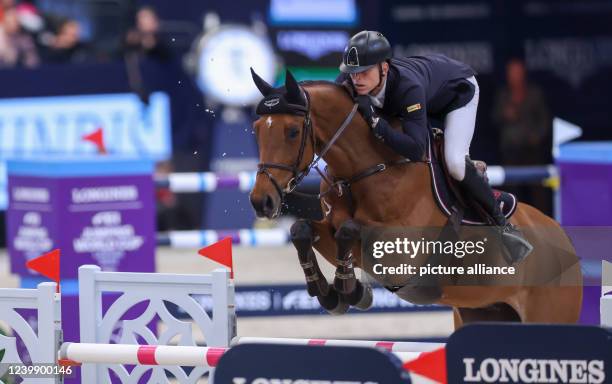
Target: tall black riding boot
(516, 246)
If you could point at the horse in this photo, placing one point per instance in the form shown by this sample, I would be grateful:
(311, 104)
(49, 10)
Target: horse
(301, 123)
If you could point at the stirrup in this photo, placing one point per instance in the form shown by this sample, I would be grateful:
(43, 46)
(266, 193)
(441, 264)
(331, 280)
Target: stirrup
(515, 247)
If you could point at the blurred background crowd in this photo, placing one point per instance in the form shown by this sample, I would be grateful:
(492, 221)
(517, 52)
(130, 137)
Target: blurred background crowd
(537, 60)
(39, 33)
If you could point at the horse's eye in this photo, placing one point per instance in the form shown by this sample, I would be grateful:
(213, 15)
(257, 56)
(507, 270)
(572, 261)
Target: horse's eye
(293, 132)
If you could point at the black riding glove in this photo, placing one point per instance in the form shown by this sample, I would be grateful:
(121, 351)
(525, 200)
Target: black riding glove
(366, 108)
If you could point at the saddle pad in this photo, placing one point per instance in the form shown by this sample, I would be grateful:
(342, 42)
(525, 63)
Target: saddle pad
(446, 199)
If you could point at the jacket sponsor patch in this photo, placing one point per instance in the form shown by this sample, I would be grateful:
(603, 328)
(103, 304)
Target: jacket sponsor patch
(413, 107)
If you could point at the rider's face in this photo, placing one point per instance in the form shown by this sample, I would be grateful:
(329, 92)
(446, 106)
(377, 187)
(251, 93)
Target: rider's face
(366, 81)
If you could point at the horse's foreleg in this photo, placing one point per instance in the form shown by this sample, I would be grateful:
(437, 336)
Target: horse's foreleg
(303, 236)
(345, 282)
(346, 236)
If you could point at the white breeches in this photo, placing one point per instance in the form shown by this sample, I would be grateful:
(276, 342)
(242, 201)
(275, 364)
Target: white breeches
(458, 131)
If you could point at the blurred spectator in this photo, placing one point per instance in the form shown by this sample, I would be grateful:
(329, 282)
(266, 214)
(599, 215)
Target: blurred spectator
(524, 124)
(172, 213)
(146, 38)
(143, 41)
(30, 18)
(4, 5)
(66, 45)
(17, 48)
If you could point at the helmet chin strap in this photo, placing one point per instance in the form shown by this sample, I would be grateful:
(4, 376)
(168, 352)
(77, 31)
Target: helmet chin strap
(380, 77)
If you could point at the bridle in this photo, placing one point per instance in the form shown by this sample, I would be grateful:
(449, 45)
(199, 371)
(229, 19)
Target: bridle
(298, 175)
(307, 131)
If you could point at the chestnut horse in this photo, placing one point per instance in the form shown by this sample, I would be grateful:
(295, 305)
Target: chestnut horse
(312, 119)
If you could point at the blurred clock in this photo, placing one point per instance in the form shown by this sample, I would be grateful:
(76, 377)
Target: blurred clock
(224, 56)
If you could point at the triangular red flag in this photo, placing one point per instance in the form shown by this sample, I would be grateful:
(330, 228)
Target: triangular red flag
(97, 137)
(221, 252)
(47, 265)
(430, 364)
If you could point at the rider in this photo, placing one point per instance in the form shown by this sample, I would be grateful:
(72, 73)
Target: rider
(413, 89)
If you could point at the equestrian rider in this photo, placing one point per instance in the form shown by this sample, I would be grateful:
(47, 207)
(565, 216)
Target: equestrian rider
(414, 89)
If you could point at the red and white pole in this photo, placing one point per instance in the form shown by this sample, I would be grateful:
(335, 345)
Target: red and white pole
(133, 354)
(391, 346)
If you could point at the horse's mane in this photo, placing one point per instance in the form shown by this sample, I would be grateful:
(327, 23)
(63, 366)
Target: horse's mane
(317, 82)
(326, 83)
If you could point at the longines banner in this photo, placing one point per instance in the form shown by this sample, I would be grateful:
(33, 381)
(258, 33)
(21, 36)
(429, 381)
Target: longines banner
(474, 354)
(529, 354)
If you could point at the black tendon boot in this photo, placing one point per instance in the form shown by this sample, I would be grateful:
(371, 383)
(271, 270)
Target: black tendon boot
(516, 246)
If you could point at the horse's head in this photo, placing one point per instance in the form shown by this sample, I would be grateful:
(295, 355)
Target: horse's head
(285, 140)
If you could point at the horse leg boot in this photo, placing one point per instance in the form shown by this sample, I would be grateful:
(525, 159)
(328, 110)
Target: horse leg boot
(345, 282)
(515, 246)
(302, 237)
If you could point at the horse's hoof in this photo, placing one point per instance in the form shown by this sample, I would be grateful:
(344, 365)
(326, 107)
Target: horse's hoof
(340, 309)
(333, 304)
(365, 297)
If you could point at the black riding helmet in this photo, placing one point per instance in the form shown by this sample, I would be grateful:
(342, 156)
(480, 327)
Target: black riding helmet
(365, 50)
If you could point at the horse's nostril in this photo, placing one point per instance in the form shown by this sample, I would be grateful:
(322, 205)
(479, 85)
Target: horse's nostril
(257, 205)
(269, 203)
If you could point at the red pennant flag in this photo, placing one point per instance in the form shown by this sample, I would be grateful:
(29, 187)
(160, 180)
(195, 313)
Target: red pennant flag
(47, 265)
(221, 252)
(430, 364)
(97, 137)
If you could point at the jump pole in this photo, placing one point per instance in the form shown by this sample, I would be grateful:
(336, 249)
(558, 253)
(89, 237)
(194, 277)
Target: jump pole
(134, 354)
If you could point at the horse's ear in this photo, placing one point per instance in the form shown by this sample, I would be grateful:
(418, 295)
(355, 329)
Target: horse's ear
(294, 94)
(261, 84)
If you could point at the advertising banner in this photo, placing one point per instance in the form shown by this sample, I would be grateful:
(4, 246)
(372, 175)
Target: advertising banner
(98, 211)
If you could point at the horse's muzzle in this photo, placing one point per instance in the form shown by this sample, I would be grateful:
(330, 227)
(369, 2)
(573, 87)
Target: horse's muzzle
(265, 206)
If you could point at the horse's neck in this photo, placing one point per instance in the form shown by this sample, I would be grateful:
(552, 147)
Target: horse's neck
(357, 150)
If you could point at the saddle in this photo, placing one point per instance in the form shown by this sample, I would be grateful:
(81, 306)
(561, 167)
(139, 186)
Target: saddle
(451, 200)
